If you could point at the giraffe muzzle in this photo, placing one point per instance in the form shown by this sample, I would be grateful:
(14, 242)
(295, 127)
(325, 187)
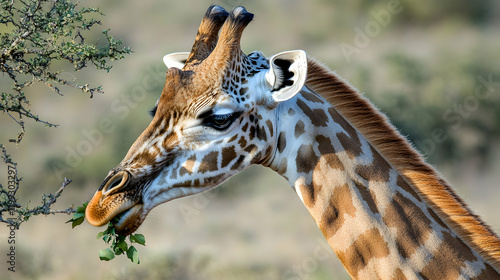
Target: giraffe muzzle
(113, 199)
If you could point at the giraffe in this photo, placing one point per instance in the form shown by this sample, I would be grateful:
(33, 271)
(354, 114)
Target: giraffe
(385, 212)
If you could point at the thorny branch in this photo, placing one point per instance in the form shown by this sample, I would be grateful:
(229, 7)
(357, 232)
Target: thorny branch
(9, 202)
(35, 35)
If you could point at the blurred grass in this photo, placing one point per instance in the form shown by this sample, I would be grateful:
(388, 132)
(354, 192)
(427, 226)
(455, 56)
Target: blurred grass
(425, 62)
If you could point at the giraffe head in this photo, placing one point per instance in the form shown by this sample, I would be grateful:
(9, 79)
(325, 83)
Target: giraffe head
(215, 117)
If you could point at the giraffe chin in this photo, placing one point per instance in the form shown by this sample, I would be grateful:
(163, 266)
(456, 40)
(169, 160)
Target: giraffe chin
(130, 220)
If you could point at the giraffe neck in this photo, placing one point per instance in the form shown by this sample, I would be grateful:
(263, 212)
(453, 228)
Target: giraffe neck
(376, 222)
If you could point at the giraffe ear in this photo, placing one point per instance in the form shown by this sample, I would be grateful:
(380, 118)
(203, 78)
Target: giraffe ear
(287, 74)
(176, 60)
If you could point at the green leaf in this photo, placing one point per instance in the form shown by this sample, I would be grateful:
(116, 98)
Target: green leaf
(138, 238)
(117, 251)
(106, 231)
(106, 255)
(120, 237)
(107, 238)
(82, 208)
(78, 215)
(133, 255)
(77, 222)
(100, 234)
(122, 245)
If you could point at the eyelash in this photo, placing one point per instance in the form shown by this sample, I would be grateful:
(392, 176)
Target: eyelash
(221, 122)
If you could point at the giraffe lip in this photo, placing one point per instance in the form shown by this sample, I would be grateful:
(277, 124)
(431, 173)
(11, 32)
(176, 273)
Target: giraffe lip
(129, 220)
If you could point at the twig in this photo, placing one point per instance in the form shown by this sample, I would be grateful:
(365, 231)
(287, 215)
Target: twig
(45, 208)
(68, 211)
(59, 191)
(20, 122)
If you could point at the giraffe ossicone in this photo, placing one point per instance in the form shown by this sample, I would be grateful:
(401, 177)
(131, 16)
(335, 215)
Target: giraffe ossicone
(384, 211)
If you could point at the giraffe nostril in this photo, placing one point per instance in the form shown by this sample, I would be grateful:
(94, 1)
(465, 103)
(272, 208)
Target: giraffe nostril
(116, 182)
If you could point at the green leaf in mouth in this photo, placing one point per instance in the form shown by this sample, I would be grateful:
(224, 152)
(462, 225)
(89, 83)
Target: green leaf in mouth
(106, 254)
(138, 238)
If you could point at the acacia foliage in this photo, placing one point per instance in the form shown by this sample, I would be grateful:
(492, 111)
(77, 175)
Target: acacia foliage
(38, 38)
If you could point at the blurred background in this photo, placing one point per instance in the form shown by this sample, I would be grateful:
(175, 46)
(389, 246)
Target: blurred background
(432, 67)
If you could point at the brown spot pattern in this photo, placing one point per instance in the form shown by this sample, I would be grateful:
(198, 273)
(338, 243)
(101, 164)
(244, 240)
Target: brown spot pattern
(378, 170)
(242, 141)
(232, 138)
(487, 273)
(311, 97)
(324, 145)
(283, 166)
(269, 124)
(174, 171)
(228, 154)
(317, 116)
(350, 142)
(308, 195)
(400, 182)
(250, 148)
(340, 206)
(327, 151)
(436, 218)
(368, 246)
(252, 133)
(448, 259)
(209, 162)
(299, 129)
(306, 159)
(244, 127)
(261, 133)
(188, 165)
(238, 163)
(398, 275)
(375, 127)
(281, 142)
(413, 226)
(183, 171)
(367, 197)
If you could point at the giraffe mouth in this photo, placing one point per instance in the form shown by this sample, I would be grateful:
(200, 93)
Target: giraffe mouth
(129, 220)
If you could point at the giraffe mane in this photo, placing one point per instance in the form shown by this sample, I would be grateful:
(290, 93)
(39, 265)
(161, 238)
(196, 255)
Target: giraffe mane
(423, 178)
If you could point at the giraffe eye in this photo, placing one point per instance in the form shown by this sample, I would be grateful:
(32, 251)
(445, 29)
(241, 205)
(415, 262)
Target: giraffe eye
(221, 122)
